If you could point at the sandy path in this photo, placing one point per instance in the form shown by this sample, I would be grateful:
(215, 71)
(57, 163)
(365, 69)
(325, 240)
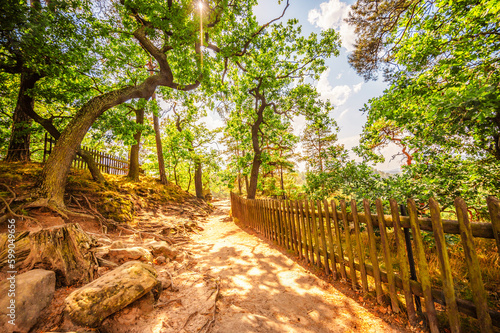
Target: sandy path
(262, 290)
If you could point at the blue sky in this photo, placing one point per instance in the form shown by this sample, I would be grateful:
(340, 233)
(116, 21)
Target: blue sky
(347, 91)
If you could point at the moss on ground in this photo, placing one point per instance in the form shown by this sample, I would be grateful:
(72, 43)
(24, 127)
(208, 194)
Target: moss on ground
(118, 198)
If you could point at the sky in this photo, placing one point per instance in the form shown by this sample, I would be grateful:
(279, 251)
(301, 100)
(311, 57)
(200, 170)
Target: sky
(340, 84)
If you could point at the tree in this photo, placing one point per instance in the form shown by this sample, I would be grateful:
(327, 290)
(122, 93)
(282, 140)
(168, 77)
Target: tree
(134, 166)
(440, 58)
(319, 137)
(267, 83)
(168, 35)
(34, 52)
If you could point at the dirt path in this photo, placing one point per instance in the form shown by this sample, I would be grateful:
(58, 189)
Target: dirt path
(262, 290)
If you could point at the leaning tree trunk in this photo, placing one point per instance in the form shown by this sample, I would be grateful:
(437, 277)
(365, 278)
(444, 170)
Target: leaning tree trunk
(19, 145)
(92, 165)
(198, 183)
(134, 167)
(86, 156)
(55, 172)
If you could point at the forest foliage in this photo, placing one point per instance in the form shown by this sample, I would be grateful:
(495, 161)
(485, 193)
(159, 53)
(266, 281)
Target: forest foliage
(102, 73)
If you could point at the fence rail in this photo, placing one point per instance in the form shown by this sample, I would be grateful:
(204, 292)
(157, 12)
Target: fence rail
(330, 239)
(105, 162)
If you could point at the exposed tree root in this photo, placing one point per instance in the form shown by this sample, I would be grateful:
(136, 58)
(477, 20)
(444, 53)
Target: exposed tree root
(191, 316)
(10, 210)
(210, 323)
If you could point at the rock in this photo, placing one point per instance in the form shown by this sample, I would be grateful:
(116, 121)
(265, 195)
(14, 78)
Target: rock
(91, 304)
(163, 249)
(123, 255)
(160, 260)
(33, 290)
(106, 263)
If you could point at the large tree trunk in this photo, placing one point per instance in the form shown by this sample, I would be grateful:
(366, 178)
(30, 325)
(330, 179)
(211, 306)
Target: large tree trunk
(159, 151)
(133, 171)
(56, 169)
(254, 176)
(86, 156)
(257, 158)
(19, 145)
(198, 183)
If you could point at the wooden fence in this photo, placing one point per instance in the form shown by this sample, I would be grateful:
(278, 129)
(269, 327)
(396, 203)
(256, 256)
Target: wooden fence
(106, 163)
(331, 240)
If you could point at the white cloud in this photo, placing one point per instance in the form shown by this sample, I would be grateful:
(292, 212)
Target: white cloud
(212, 120)
(339, 76)
(331, 14)
(343, 114)
(299, 123)
(338, 95)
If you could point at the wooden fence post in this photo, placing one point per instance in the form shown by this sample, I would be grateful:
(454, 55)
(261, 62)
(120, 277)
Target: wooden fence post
(423, 267)
(373, 252)
(475, 279)
(298, 228)
(343, 272)
(444, 263)
(291, 221)
(494, 209)
(309, 233)
(348, 245)
(304, 232)
(322, 236)
(314, 227)
(404, 268)
(330, 239)
(359, 246)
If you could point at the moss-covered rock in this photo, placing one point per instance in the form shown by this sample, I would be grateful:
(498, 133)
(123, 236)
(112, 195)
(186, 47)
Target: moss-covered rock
(91, 304)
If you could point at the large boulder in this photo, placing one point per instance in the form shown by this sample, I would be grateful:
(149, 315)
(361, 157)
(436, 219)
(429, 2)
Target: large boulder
(91, 304)
(23, 297)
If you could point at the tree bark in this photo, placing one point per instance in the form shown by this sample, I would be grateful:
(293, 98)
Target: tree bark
(67, 251)
(254, 176)
(159, 151)
(257, 158)
(19, 144)
(189, 183)
(91, 164)
(175, 174)
(134, 167)
(86, 156)
(198, 183)
(239, 183)
(64, 249)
